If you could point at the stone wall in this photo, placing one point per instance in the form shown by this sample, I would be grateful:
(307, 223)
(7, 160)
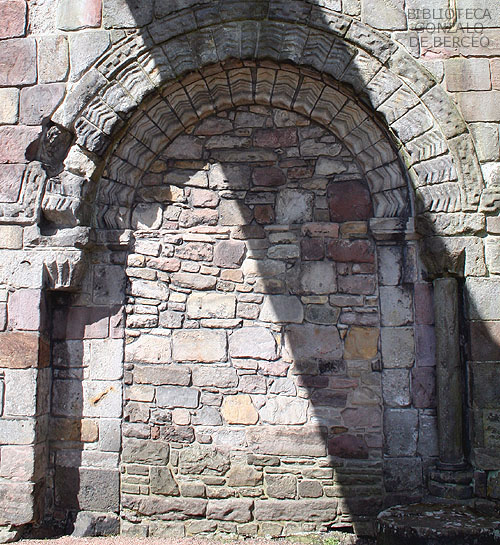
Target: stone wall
(102, 65)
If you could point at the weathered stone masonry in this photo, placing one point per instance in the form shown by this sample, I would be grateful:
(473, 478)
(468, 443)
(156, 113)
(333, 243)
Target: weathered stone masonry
(216, 265)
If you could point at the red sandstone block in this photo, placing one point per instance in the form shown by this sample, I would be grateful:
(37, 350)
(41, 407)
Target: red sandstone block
(14, 143)
(348, 446)
(425, 346)
(24, 310)
(423, 387)
(17, 62)
(276, 138)
(312, 249)
(19, 350)
(346, 251)
(424, 304)
(485, 341)
(268, 176)
(11, 177)
(13, 16)
(349, 201)
(39, 102)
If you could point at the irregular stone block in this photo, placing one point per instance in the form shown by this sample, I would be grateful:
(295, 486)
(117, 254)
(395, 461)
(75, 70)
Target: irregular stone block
(361, 343)
(17, 503)
(283, 410)
(281, 486)
(162, 482)
(88, 489)
(53, 58)
(401, 432)
(149, 289)
(177, 396)
(19, 350)
(348, 446)
(396, 387)
(288, 441)
(308, 342)
(40, 102)
(125, 14)
(282, 309)
(268, 177)
(423, 387)
(194, 281)
(349, 201)
(92, 524)
(243, 475)
(137, 451)
(237, 510)
(396, 306)
(239, 409)
(75, 16)
(252, 342)
(232, 212)
(211, 305)
(199, 459)
(160, 375)
(15, 143)
(199, 345)
(316, 278)
(149, 349)
(17, 62)
(9, 106)
(298, 511)
(207, 416)
(355, 251)
(294, 206)
(102, 398)
(398, 347)
(219, 377)
(147, 216)
(169, 508)
(229, 254)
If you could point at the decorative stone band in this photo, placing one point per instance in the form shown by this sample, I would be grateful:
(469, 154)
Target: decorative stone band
(423, 120)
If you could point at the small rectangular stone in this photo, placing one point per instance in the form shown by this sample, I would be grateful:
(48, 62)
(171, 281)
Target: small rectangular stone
(9, 106)
(177, 396)
(17, 62)
(471, 74)
(53, 58)
(15, 140)
(11, 236)
(199, 345)
(479, 105)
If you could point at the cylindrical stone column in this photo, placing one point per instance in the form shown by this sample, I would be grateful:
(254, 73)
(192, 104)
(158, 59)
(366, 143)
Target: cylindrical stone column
(449, 375)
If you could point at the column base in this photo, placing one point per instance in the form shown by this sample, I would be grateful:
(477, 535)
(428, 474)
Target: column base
(451, 484)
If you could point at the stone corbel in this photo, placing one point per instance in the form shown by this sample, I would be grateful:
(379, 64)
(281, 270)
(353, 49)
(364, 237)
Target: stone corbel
(63, 271)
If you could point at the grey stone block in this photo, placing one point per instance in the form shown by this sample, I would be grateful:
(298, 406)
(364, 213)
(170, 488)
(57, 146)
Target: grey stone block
(177, 396)
(93, 524)
(401, 432)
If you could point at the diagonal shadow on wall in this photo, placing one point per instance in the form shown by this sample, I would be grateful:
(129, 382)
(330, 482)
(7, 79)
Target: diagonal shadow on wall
(331, 345)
